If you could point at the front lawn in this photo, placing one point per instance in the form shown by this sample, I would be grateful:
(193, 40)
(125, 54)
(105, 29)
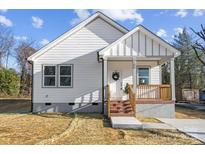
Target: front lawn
(78, 129)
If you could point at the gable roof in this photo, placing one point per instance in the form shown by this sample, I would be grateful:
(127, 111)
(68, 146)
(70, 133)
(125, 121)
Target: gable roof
(75, 29)
(147, 32)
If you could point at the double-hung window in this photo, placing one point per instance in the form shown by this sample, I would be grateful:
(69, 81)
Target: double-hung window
(143, 76)
(65, 76)
(49, 76)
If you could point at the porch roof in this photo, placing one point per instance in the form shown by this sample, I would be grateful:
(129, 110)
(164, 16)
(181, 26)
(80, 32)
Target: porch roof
(140, 43)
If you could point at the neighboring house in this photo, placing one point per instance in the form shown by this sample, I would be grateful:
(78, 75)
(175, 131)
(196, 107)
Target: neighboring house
(71, 73)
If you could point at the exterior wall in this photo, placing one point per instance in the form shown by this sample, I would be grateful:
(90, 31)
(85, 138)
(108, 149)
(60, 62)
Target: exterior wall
(125, 67)
(65, 107)
(80, 49)
(162, 110)
(139, 44)
(155, 70)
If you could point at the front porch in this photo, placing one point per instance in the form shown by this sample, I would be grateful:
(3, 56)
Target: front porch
(147, 100)
(136, 60)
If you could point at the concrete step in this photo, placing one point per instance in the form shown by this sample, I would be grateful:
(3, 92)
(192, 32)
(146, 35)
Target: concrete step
(125, 122)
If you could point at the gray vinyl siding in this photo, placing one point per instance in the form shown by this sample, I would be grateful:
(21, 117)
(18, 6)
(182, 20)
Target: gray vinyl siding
(80, 50)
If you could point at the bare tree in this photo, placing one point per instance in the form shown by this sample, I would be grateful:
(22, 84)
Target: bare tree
(6, 44)
(199, 45)
(23, 51)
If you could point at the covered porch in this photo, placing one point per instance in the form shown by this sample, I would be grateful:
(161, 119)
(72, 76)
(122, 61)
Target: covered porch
(132, 72)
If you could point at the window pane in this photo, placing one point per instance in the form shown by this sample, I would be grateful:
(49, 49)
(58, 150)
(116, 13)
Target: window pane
(65, 81)
(65, 70)
(143, 81)
(49, 70)
(143, 72)
(49, 81)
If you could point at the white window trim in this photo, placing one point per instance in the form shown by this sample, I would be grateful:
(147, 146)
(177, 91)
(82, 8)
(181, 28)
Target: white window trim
(59, 76)
(138, 74)
(50, 76)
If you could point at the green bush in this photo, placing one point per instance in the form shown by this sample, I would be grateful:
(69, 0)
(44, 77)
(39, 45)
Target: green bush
(9, 82)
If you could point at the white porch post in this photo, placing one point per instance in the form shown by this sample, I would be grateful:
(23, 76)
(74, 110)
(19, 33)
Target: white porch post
(134, 73)
(105, 72)
(172, 78)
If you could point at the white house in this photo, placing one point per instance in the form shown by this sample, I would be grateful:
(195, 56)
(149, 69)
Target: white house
(71, 73)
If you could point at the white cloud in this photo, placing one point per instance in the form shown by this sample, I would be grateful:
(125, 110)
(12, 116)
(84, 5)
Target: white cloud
(161, 33)
(20, 38)
(5, 21)
(122, 15)
(181, 13)
(44, 42)
(177, 31)
(81, 15)
(37, 22)
(3, 10)
(198, 12)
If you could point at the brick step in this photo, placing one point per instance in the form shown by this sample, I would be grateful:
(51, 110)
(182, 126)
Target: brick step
(121, 108)
(122, 114)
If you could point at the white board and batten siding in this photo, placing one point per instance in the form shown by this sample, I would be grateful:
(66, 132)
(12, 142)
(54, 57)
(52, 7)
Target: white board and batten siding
(138, 44)
(79, 49)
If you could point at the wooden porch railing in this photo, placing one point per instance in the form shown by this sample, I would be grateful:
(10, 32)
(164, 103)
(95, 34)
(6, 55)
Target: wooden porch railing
(154, 91)
(132, 98)
(107, 89)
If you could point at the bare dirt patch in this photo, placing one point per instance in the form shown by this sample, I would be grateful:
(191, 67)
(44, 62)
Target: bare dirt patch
(15, 105)
(185, 113)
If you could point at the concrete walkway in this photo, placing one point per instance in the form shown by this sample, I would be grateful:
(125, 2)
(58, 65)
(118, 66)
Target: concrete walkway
(191, 127)
(125, 122)
(193, 106)
(151, 125)
(132, 122)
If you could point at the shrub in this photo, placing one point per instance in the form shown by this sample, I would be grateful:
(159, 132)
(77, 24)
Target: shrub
(9, 82)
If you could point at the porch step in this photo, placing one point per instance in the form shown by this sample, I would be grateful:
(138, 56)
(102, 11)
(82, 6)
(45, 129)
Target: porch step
(121, 108)
(125, 122)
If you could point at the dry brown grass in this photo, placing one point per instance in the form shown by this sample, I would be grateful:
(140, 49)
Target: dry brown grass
(148, 119)
(84, 129)
(185, 113)
(30, 129)
(93, 129)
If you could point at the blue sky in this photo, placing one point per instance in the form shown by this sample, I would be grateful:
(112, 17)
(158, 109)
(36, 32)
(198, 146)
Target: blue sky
(42, 26)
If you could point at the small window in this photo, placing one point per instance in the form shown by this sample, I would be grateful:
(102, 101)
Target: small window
(143, 76)
(49, 77)
(65, 75)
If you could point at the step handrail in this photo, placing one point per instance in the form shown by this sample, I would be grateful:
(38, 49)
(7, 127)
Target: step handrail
(108, 100)
(132, 98)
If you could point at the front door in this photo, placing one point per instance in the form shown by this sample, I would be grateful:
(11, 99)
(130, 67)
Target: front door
(115, 80)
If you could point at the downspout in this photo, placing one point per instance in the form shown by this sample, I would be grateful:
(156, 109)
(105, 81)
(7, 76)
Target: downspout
(103, 87)
(31, 86)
